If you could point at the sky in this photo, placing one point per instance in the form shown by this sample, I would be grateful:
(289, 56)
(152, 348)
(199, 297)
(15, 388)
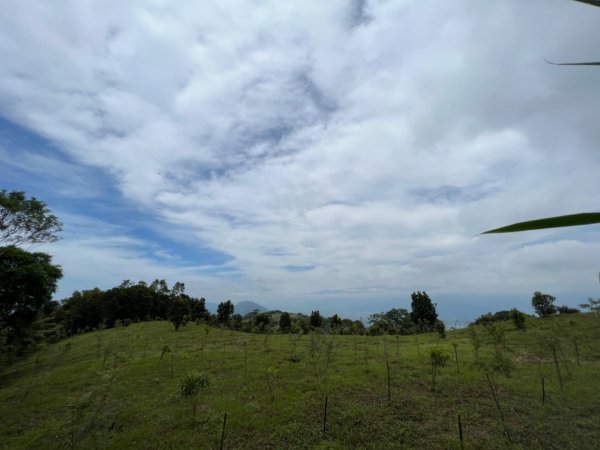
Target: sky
(332, 155)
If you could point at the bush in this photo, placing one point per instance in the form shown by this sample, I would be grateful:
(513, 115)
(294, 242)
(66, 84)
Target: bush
(439, 358)
(567, 310)
(489, 318)
(518, 319)
(190, 387)
(440, 328)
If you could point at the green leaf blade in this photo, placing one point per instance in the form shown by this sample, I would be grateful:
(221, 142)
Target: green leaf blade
(571, 220)
(590, 2)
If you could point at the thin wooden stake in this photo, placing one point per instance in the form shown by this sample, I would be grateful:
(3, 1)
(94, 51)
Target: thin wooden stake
(560, 381)
(325, 417)
(389, 391)
(455, 345)
(245, 363)
(543, 392)
(460, 433)
(223, 430)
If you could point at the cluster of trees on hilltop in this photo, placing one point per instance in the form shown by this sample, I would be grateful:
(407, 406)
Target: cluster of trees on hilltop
(422, 318)
(296, 323)
(126, 303)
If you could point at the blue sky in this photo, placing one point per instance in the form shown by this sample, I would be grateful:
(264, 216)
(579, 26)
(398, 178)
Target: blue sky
(333, 155)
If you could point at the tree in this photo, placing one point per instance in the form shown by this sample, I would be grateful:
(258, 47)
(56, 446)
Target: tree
(224, 312)
(27, 282)
(285, 322)
(335, 322)
(592, 305)
(26, 221)
(315, 319)
(262, 321)
(199, 311)
(394, 321)
(180, 308)
(543, 304)
(423, 311)
(518, 319)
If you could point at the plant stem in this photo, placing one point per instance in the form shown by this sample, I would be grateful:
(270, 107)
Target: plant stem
(389, 390)
(560, 381)
(223, 430)
(494, 390)
(543, 392)
(325, 417)
(460, 433)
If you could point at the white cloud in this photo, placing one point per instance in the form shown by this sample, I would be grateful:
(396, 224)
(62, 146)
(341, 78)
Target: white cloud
(368, 139)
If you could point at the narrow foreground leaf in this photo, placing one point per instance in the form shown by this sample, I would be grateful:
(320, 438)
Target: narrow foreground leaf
(590, 2)
(592, 63)
(570, 220)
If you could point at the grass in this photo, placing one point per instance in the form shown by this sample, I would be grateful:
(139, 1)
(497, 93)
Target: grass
(71, 395)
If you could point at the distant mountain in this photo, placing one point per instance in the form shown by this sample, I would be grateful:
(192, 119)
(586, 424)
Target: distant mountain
(244, 308)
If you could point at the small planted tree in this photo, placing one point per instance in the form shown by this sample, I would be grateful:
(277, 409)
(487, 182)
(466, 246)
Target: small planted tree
(271, 374)
(439, 358)
(440, 328)
(499, 364)
(190, 388)
(475, 339)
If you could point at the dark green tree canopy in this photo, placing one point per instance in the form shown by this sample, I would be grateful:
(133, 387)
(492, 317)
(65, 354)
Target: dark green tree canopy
(423, 312)
(285, 322)
(225, 311)
(394, 321)
(335, 322)
(543, 304)
(316, 320)
(262, 320)
(27, 282)
(179, 309)
(26, 221)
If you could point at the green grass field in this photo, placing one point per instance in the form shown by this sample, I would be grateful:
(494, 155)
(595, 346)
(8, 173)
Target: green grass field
(111, 389)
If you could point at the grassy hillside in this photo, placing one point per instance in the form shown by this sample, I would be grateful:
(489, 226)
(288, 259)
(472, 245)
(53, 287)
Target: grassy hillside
(112, 389)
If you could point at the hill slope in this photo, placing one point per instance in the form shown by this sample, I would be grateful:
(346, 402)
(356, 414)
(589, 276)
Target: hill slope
(118, 388)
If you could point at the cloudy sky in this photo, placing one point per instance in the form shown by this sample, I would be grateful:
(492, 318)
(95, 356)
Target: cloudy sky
(331, 154)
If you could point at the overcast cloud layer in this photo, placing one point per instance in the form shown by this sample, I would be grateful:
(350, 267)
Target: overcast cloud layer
(332, 154)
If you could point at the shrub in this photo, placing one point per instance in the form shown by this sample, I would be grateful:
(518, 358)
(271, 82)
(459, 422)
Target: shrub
(439, 358)
(567, 310)
(518, 318)
(440, 328)
(190, 388)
